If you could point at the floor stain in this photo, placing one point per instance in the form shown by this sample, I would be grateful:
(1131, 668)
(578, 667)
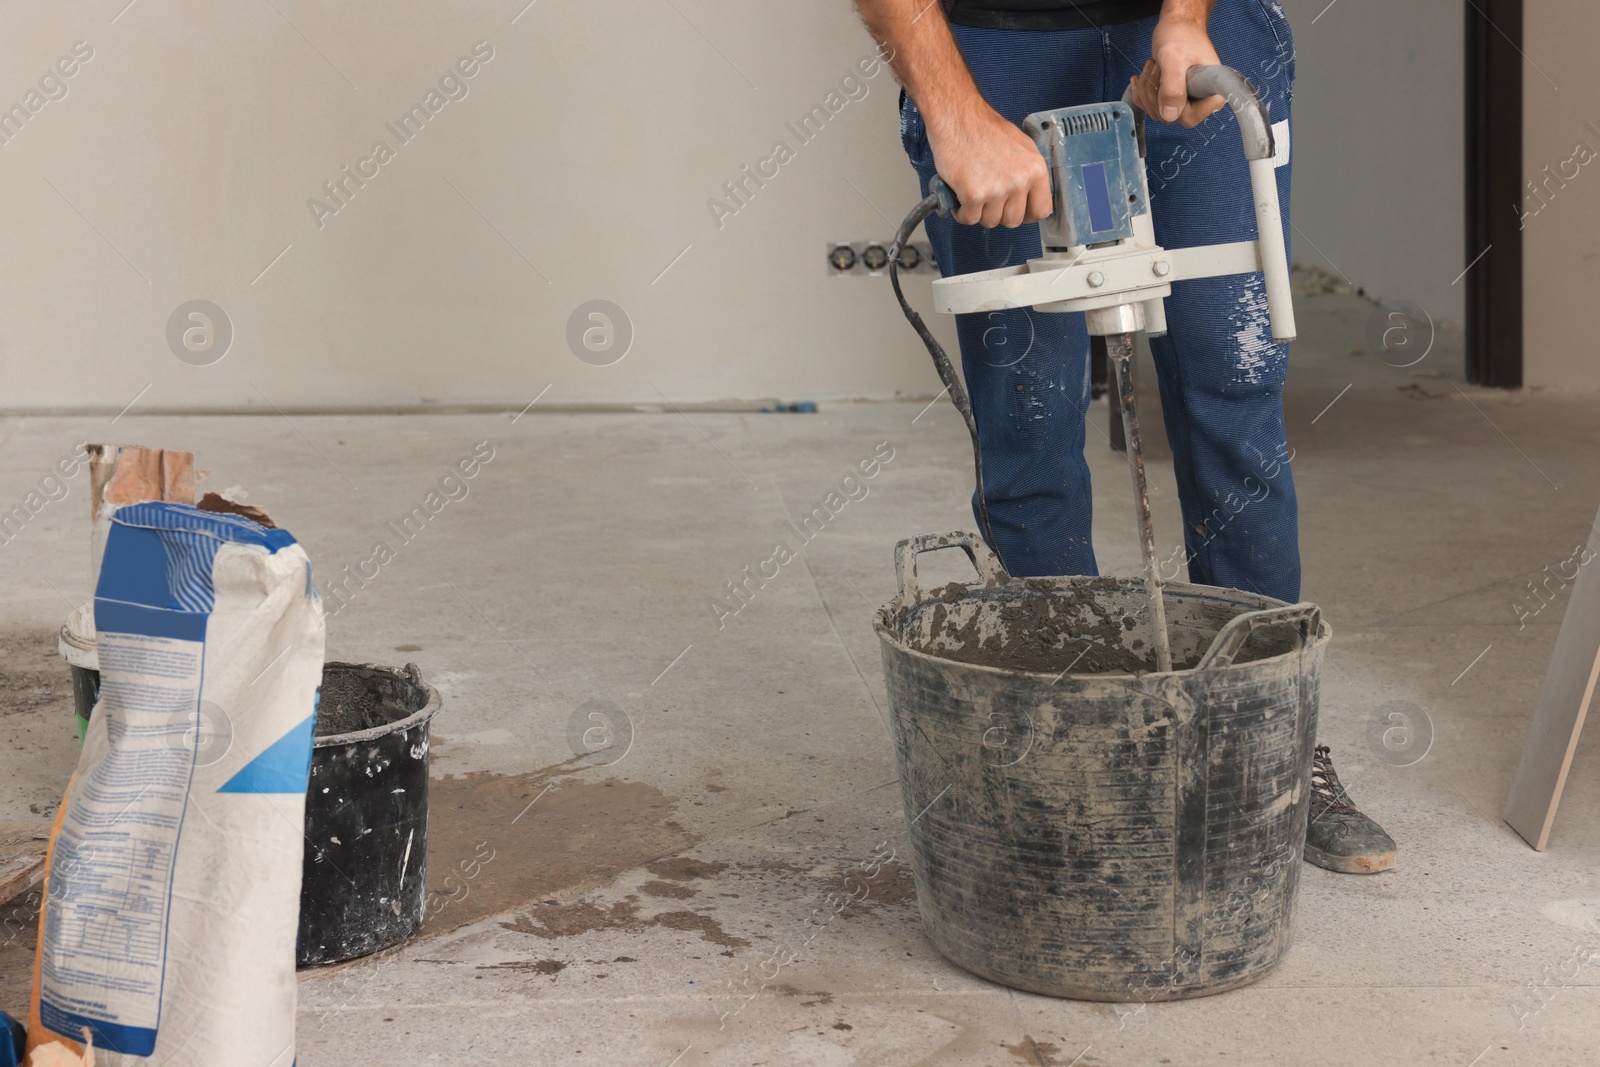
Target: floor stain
(551, 967)
(36, 710)
(784, 989)
(893, 884)
(708, 928)
(570, 920)
(499, 842)
(1036, 1053)
(535, 844)
(683, 869)
(18, 934)
(776, 865)
(34, 677)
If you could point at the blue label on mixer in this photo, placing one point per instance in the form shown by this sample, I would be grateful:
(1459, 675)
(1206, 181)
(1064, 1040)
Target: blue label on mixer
(1099, 196)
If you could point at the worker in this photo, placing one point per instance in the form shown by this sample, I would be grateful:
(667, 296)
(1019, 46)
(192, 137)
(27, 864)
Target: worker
(971, 71)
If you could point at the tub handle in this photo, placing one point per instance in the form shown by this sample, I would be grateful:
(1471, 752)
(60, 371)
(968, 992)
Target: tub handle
(1231, 638)
(984, 561)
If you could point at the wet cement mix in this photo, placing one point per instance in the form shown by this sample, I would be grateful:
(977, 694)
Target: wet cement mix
(1091, 626)
(356, 698)
(1046, 630)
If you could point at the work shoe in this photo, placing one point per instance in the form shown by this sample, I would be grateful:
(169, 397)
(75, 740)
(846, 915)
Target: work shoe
(1340, 838)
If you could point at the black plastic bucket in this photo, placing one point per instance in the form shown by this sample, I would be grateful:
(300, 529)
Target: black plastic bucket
(364, 878)
(1081, 824)
(363, 885)
(78, 647)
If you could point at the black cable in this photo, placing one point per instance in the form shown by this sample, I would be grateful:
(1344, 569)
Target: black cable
(941, 361)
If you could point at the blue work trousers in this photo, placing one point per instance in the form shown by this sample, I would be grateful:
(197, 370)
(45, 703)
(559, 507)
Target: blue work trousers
(1221, 375)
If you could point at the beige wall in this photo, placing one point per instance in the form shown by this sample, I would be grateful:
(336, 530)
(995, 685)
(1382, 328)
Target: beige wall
(1379, 146)
(181, 159)
(180, 162)
(1561, 232)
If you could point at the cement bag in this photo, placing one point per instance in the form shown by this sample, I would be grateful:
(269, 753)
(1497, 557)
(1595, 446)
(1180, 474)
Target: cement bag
(172, 894)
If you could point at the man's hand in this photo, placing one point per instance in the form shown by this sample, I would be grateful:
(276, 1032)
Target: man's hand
(1180, 41)
(994, 168)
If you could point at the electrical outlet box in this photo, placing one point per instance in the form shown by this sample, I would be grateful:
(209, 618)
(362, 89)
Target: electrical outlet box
(870, 258)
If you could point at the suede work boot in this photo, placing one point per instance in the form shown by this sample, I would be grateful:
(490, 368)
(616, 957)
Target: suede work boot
(1340, 838)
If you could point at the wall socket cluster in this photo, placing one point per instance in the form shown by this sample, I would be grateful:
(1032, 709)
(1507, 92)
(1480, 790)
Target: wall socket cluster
(865, 258)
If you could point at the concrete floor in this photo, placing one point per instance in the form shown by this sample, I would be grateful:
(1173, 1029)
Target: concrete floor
(628, 911)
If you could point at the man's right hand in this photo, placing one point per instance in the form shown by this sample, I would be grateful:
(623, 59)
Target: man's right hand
(993, 167)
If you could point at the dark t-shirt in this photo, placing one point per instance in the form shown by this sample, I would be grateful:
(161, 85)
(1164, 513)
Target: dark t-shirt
(1047, 14)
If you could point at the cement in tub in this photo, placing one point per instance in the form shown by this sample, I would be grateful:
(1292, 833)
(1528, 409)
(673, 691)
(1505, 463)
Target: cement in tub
(1081, 825)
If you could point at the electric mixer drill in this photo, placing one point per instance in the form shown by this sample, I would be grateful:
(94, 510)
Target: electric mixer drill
(1100, 258)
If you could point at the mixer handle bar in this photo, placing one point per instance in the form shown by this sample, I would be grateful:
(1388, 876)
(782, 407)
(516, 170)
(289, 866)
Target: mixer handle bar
(1305, 616)
(1260, 148)
(949, 202)
(984, 561)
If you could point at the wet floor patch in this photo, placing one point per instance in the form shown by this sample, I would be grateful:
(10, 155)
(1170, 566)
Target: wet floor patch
(39, 737)
(784, 989)
(1036, 1053)
(19, 925)
(534, 848)
(685, 869)
(33, 676)
(497, 843)
(892, 884)
(549, 967)
(38, 726)
(569, 920)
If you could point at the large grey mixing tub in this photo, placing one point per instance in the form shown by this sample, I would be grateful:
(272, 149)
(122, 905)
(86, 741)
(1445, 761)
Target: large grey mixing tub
(1081, 825)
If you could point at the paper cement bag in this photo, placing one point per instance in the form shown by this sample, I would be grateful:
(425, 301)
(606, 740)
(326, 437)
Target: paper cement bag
(172, 894)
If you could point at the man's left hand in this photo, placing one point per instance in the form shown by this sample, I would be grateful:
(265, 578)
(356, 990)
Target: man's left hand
(1180, 41)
